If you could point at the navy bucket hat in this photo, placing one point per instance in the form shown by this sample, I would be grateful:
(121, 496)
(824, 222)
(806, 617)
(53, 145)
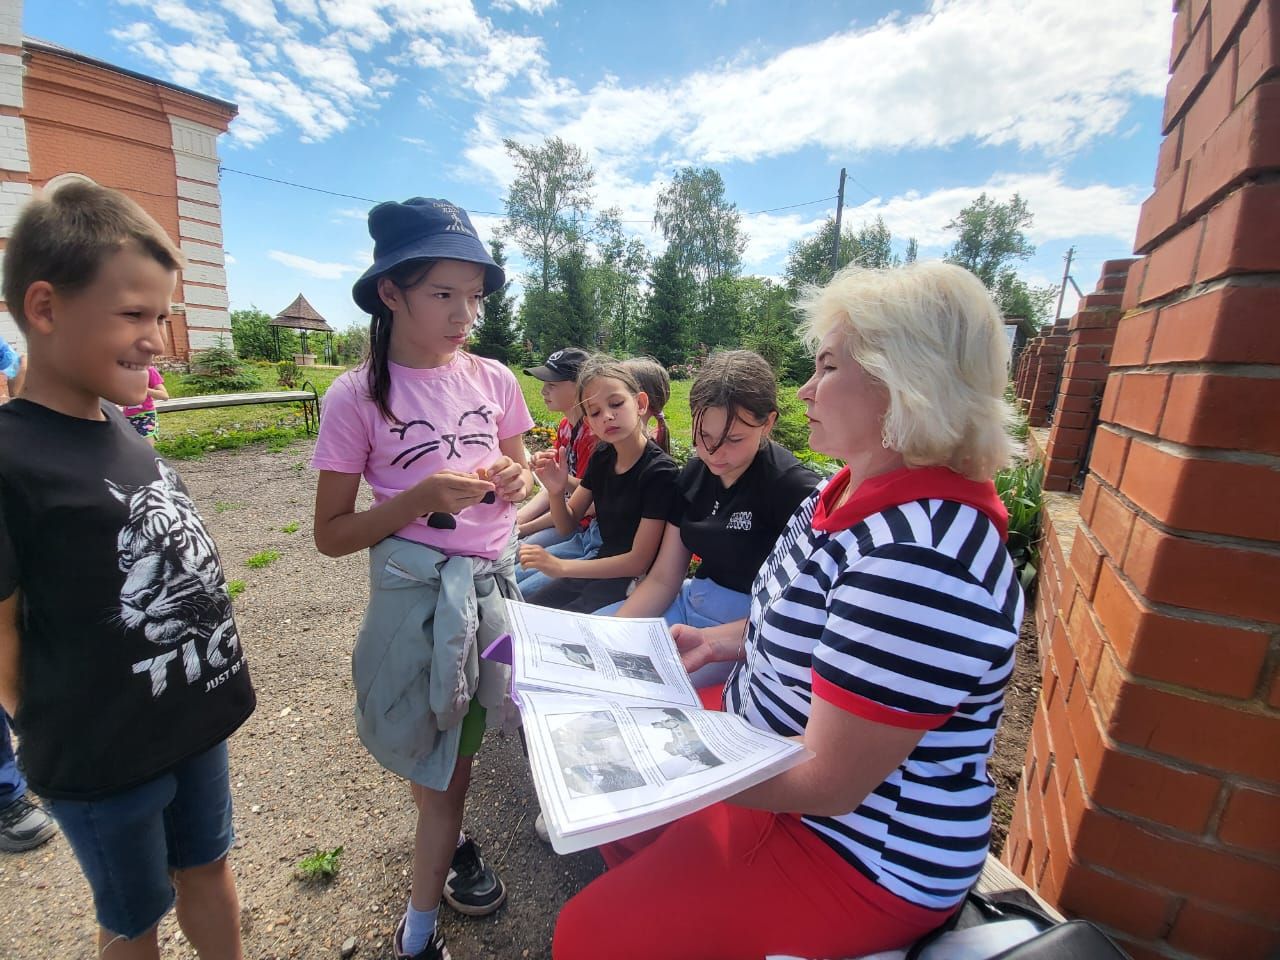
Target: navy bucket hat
(421, 228)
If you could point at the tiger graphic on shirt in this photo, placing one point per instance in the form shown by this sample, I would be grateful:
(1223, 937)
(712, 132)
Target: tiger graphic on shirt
(173, 588)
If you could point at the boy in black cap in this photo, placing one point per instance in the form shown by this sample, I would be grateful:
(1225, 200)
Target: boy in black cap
(559, 376)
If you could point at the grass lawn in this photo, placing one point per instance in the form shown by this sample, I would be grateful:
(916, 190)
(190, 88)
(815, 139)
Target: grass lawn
(189, 432)
(192, 432)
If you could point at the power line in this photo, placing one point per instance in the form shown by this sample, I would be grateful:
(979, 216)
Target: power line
(485, 213)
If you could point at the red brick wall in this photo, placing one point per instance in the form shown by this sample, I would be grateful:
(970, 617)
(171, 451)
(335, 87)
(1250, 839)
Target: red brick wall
(114, 129)
(1151, 797)
(1090, 334)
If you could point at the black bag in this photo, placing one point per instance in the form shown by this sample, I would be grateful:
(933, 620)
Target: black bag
(1072, 940)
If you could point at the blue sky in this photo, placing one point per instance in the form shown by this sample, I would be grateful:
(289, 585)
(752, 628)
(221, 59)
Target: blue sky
(927, 104)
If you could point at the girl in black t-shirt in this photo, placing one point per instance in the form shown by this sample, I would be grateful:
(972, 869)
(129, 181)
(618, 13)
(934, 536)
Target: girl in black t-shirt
(631, 482)
(734, 500)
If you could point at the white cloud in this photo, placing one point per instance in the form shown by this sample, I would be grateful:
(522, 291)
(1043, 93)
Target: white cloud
(313, 268)
(259, 14)
(526, 6)
(1061, 212)
(296, 64)
(930, 80)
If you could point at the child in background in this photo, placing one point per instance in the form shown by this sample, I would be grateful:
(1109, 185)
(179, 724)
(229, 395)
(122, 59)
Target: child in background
(534, 523)
(559, 376)
(143, 416)
(735, 499)
(435, 432)
(656, 384)
(119, 657)
(630, 481)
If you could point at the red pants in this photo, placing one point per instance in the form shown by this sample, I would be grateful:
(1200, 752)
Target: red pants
(728, 883)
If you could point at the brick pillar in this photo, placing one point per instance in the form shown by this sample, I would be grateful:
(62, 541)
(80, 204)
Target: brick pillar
(1090, 333)
(15, 164)
(1151, 797)
(1043, 389)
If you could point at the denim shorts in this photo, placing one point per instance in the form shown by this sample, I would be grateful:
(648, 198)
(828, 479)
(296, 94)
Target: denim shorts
(129, 843)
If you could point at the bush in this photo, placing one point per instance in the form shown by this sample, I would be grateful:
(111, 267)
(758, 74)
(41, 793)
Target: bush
(219, 370)
(792, 428)
(1021, 487)
(287, 374)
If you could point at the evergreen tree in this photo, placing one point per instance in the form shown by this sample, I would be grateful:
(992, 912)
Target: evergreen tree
(663, 332)
(495, 335)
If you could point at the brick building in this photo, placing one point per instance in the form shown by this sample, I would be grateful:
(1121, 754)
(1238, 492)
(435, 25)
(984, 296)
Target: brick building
(65, 116)
(1150, 798)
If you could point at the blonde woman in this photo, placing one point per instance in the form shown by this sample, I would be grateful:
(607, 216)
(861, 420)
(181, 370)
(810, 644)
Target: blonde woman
(881, 635)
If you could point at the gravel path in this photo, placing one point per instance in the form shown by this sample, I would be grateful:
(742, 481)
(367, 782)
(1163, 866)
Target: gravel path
(302, 781)
(300, 778)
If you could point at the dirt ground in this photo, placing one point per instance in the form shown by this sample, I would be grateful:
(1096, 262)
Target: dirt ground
(302, 782)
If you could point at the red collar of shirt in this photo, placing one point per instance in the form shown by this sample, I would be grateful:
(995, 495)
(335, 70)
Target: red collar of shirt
(905, 486)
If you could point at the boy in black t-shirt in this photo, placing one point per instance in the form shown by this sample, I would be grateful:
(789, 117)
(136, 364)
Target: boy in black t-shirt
(119, 657)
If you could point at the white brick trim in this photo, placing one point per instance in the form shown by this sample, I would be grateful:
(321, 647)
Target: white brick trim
(10, 333)
(209, 318)
(204, 339)
(199, 191)
(204, 212)
(13, 197)
(200, 231)
(202, 252)
(204, 273)
(194, 138)
(204, 297)
(196, 168)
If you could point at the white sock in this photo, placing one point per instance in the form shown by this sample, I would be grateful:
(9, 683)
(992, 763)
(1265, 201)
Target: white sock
(462, 838)
(418, 925)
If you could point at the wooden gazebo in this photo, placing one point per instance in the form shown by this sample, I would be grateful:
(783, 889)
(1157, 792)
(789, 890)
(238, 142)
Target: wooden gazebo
(304, 318)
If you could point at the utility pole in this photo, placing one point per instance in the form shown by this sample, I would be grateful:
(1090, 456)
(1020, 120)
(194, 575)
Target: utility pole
(835, 245)
(1062, 291)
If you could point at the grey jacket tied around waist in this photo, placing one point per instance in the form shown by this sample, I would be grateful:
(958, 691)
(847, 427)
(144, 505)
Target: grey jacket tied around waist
(417, 665)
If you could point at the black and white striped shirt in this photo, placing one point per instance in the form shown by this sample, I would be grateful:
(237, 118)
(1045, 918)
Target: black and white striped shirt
(908, 618)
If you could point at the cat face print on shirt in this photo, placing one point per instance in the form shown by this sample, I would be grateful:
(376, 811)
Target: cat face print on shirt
(474, 428)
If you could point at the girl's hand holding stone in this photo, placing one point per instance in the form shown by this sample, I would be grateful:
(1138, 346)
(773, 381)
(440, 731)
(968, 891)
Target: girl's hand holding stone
(552, 469)
(536, 558)
(508, 479)
(448, 491)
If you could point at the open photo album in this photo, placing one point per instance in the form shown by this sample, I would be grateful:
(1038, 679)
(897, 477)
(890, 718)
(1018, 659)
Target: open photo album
(618, 740)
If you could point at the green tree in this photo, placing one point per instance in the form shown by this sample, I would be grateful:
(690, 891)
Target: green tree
(352, 344)
(702, 228)
(618, 277)
(664, 330)
(578, 323)
(254, 337)
(550, 193)
(495, 335)
(719, 319)
(770, 327)
(871, 245)
(990, 237)
(809, 260)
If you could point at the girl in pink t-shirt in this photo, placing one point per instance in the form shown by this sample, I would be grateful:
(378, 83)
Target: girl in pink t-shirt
(437, 433)
(143, 416)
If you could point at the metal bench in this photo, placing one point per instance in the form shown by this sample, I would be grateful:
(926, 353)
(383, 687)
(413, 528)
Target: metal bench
(307, 396)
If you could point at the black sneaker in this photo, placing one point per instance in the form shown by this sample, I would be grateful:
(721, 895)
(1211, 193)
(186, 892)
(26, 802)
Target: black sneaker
(24, 826)
(472, 887)
(434, 950)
